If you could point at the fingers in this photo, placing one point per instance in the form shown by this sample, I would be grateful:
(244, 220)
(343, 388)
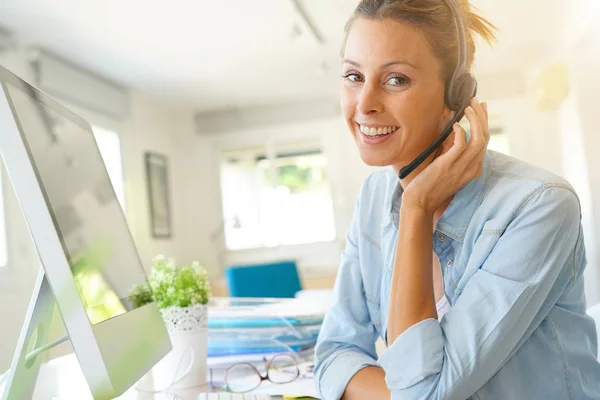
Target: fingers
(486, 123)
(459, 145)
(471, 159)
(477, 136)
(469, 155)
(485, 108)
(481, 111)
(478, 119)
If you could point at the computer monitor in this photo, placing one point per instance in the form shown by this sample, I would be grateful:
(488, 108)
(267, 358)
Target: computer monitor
(82, 237)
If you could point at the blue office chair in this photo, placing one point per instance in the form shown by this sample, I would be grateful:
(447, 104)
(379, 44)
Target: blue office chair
(276, 280)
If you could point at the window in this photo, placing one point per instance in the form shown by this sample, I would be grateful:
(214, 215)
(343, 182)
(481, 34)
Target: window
(110, 149)
(273, 198)
(3, 244)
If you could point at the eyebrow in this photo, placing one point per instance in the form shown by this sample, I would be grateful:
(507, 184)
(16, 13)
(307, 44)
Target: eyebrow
(403, 62)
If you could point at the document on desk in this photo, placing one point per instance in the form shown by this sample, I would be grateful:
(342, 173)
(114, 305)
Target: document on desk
(286, 314)
(299, 388)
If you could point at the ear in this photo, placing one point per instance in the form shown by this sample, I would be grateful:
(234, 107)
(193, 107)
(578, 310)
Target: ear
(447, 112)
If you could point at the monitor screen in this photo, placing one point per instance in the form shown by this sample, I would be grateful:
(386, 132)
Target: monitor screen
(86, 213)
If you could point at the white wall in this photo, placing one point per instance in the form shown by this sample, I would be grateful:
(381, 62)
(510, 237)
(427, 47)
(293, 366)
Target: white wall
(149, 128)
(197, 191)
(533, 134)
(579, 131)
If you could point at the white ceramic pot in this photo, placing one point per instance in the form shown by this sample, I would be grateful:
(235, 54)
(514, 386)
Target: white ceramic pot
(185, 366)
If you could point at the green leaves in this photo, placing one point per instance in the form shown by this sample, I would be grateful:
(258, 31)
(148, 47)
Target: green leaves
(173, 286)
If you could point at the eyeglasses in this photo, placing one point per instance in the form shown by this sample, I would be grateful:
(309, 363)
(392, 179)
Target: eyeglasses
(245, 377)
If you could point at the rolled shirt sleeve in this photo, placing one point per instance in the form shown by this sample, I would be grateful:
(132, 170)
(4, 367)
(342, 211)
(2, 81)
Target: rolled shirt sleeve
(336, 372)
(420, 350)
(346, 342)
(500, 306)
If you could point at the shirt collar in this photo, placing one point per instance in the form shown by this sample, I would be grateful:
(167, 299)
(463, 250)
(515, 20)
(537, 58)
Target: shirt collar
(392, 203)
(456, 218)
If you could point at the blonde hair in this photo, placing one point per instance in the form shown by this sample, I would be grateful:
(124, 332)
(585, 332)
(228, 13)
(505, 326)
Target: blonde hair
(434, 19)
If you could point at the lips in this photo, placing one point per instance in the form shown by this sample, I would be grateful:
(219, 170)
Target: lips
(364, 132)
(377, 130)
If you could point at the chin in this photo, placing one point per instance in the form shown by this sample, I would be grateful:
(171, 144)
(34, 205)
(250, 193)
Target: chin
(377, 160)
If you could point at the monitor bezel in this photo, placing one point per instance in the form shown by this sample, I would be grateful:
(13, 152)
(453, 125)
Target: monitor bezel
(99, 355)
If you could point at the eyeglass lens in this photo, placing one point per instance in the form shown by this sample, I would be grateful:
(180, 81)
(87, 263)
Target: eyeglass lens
(283, 369)
(242, 378)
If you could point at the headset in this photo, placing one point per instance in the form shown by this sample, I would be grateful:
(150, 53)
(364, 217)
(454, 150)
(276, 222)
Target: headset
(460, 89)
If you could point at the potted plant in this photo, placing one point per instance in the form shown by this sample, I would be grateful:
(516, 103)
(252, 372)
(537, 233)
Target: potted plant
(181, 294)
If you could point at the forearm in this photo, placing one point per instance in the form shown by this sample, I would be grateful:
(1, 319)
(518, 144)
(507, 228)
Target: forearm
(368, 383)
(411, 295)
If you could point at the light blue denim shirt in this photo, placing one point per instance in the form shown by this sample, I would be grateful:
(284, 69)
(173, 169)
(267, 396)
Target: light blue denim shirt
(512, 255)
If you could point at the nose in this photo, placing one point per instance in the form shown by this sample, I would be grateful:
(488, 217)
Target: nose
(369, 101)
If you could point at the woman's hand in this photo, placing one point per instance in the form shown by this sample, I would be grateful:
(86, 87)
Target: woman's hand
(459, 163)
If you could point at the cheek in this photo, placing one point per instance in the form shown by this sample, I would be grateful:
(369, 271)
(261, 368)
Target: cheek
(418, 110)
(347, 100)
(415, 101)
(406, 109)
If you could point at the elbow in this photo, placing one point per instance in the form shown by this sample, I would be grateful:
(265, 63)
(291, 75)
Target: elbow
(335, 367)
(413, 363)
(426, 389)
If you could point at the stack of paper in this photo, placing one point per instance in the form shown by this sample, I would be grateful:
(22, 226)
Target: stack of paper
(247, 326)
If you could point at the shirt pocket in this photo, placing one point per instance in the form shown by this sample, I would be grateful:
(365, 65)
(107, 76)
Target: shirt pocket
(477, 256)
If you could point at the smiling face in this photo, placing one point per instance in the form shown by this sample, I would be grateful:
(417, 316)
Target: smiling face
(392, 92)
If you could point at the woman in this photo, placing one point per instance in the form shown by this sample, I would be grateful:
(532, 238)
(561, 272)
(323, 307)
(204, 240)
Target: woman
(471, 268)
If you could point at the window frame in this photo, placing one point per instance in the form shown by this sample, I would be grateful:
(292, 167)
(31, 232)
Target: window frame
(272, 147)
(123, 193)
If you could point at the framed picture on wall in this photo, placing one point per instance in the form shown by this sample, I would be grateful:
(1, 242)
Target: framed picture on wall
(157, 181)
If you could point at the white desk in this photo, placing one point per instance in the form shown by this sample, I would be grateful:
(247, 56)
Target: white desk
(63, 379)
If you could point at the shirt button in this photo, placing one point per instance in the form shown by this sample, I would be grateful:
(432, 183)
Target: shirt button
(450, 262)
(441, 237)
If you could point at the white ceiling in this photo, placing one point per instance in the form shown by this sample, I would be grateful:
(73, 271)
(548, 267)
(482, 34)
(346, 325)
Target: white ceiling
(214, 54)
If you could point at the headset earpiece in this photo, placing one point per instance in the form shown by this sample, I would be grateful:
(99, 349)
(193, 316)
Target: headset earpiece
(460, 91)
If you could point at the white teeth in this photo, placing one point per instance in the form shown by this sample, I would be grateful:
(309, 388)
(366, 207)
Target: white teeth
(377, 131)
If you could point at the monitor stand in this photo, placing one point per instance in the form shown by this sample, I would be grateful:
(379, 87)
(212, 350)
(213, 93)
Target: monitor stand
(23, 373)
